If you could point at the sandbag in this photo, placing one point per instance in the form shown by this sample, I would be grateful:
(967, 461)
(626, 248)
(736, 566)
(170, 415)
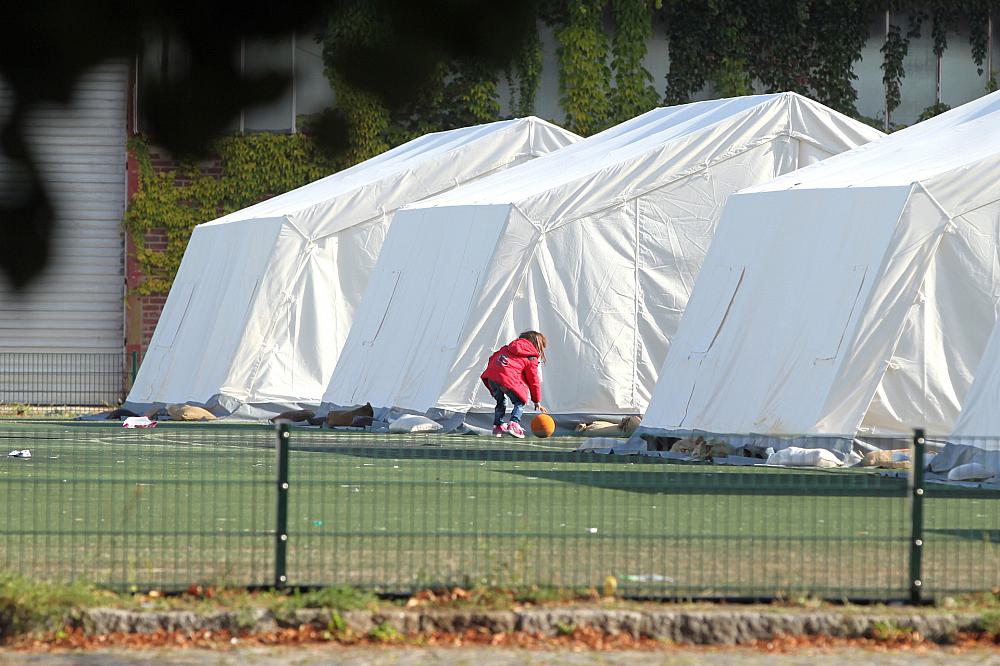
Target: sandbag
(602, 444)
(629, 424)
(411, 423)
(700, 448)
(887, 459)
(687, 445)
(189, 413)
(623, 427)
(345, 417)
(970, 472)
(712, 448)
(598, 429)
(294, 415)
(795, 456)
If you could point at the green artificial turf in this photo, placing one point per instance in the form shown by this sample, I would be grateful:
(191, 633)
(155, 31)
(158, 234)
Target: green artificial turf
(195, 503)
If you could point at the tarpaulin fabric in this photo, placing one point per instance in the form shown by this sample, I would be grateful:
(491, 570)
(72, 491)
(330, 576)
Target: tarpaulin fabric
(852, 296)
(597, 246)
(265, 297)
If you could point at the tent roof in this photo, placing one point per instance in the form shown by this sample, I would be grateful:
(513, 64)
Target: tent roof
(955, 139)
(671, 135)
(390, 164)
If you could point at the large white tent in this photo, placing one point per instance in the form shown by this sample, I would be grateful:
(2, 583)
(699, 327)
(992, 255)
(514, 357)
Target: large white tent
(597, 246)
(976, 435)
(264, 297)
(853, 297)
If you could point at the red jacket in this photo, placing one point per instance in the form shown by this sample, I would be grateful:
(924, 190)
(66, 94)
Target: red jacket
(515, 367)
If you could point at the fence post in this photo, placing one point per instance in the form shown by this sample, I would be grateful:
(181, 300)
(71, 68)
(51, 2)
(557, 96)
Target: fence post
(916, 487)
(281, 519)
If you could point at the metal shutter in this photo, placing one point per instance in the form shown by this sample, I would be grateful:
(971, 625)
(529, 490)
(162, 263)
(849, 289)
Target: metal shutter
(61, 341)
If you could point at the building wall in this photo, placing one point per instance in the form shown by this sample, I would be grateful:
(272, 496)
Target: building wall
(61, 335)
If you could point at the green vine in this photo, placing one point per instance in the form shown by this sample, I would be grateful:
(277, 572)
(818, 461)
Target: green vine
(806, 46)
(254, 167)
(933, 110)
(474, 86)
(366, 116)
(634, 92)
(689, 25)
(584, 75)
(528, 72)
(978, 15)
(735, 47)
(893, 52)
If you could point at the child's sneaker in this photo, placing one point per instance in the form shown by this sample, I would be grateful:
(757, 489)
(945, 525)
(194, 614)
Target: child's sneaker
(514, 429)
(499, 430)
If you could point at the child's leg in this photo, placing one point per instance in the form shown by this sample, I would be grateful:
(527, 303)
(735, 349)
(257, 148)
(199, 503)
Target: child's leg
(498, 395)
(515, 414)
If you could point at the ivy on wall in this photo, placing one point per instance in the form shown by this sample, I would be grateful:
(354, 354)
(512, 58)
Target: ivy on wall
(945, 16)
(732, 47)
(806, 46)
(716, 47)
(366, 116)
(633, 92)
(584, 75)
(254, 167)
(526, 75)
(458, 94)
(893, 51)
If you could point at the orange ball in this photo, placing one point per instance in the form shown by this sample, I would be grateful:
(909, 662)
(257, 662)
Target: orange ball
(543, 426)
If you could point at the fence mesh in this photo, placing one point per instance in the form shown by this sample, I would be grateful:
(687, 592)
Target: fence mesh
(123, 507)
(185, 504)
(962, 517)
(83, 379)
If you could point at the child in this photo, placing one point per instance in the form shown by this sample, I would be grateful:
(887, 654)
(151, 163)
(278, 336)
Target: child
(512, 372)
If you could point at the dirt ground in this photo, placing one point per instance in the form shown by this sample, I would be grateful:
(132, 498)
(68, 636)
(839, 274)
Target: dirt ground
(410, 656)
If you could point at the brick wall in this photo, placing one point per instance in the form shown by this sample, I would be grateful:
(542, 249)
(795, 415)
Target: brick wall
(143, 312)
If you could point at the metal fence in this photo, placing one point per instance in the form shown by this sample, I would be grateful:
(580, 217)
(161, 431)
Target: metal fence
(80, 379)
(242, 506)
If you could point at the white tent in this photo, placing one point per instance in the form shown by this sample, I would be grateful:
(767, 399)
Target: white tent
(265, 296)
(854, 296)
(976, 435)
(596, 246)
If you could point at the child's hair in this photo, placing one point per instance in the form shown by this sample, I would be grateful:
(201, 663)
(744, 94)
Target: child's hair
(537, 339)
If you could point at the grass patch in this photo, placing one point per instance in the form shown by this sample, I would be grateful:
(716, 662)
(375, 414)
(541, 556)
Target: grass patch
(989, 623)
(29, 606)
(890, 632)
(565, 628)
(385, 633)
(335, 598)
(500, 598)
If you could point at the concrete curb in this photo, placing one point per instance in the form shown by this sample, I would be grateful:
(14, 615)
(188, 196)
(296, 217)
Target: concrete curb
(697, 627)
